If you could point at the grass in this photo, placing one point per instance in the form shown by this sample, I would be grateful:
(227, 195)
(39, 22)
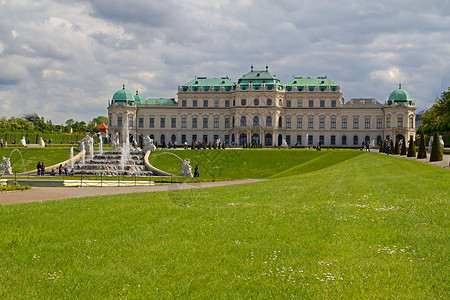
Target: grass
(370, 226)
(239, 163)
(31, 156)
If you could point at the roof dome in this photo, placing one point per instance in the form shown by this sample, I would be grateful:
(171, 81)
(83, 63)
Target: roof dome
(123, 95)
(139, 99)
(399, 96)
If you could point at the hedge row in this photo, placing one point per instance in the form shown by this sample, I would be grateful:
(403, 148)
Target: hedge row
(34, 137)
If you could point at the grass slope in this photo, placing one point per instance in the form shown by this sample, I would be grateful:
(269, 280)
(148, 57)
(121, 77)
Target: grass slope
(31, 156)
(371, 226)
(240, 163)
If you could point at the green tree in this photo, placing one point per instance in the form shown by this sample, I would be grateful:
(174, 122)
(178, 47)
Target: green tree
(437, 118)
(382, 147)
(422, 153)
(403, 148)
(411, 148)
(436, 149)
(396, 148)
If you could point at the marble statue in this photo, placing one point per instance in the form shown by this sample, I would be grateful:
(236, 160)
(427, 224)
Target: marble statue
(284, 144)
(430, 143)
(148, 144)
(23, 141)
(6, 166)
(186, 169)
(88, 144)
(41, 143)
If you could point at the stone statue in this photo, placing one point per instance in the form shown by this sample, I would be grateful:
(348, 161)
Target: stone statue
(430, 143)
(148, 144)
(284, 144)
(88, 144)
(23, 141)
(186, 169)
(41, 143)
(6, 166)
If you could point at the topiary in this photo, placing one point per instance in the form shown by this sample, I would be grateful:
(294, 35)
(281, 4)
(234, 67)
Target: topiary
(382, 147)
(422, 153)
(403, 150)
(411, 148)
(396, 148)
(436, 149)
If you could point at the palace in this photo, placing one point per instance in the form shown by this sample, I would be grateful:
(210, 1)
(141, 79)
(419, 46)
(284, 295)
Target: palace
(258, 108)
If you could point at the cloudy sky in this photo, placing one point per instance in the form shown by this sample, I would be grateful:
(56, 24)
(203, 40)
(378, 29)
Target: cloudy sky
(65, 59)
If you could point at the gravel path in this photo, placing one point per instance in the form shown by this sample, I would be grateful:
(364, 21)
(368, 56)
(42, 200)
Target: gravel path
(39, 194)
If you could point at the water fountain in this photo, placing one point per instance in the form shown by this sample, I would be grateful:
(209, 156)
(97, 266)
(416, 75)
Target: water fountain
(91, 146)
(125, 147)
(100, 144)
(71, 158)
(83, 155)
(23, 162)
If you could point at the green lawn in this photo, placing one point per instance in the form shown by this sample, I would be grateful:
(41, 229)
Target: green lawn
(370, 226)
(31, 156)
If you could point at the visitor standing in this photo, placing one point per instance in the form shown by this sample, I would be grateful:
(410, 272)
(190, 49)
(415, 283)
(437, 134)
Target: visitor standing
(60, 169)
(38, 167)
(66, 169)
(42, 169)
(196, 172)
(367, 146)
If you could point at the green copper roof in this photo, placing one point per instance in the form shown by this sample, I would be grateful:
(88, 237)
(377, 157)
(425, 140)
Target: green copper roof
(258, 77)
(399, 96)
(123, 95)
(138, 98)
(159, 101)
(204, 84)
(305, 84)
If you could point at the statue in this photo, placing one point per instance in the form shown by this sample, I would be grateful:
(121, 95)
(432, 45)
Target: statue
(148, 144)
(41, 143)
(430, 143)
(284, 144)
(88, 144)
(23, 141)
(186, 169)
(6, 166)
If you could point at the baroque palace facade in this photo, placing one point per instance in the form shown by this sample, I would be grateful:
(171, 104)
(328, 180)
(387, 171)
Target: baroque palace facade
(258, 108)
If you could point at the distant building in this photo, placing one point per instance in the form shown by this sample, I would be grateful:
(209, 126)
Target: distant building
(102, 128)
(258, 108)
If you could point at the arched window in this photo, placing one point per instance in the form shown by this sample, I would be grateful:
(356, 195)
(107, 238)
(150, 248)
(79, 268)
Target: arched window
(269, 121)
(255, 121)
(163, 138)
(242, 139)
(355, 140)
(344, 140)
(243, 102)
(378, 140)
(367, 139)
(269, 101)
(280, 122)
(174, 138)
(280, 102)
(256, 102)
(268, 139)
(243, 121)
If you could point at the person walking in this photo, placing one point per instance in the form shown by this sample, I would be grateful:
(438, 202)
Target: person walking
(196, 171)
(60, 169)
(42, 169)
(38, 167)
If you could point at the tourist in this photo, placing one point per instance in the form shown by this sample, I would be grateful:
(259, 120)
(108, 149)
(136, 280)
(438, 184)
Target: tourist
(185, 145)
(71, 172)
(66, 169)
(367, 147)
(196, 172)
(60, 169)
(38, 167)
(42, 169)
(53, 173)
(1, 143)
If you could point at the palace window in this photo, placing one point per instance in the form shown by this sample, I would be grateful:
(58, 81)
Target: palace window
(344, 123)
(173, 123)
(227, 103)
(183, 103)
(243, 121)
(299, 103)
(411, 122)
(310, 139)
(333, 103)
(388, 122)
(299, 122)
(130, 121)
(183, 138)
(288, 103)
(216, 122)
(379, 123)
(141, 122)
(194, 122)
(310, 123)
(355, 123)
(243, 102)
(151, 122)
(119, 121)
(227, 122)
(333, 122)
(205, 122)
(367, 123)
(288, 123)
(216, 103)
(256, 102)
(333, 140)
(194, 103)
(268, 121)
(269, 102)
(194, 137)
(322, 123)
(311, 103)
(205, 103)
(255, 121)
(183, 122)
(400, 122)
(299, 139)
(355, 140)
(322, 103)
(288, 139)
(344, 140)
(162, 123)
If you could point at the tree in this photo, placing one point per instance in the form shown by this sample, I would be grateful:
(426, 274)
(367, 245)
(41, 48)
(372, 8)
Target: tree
(403, 150)
(100, 120)
(437, 118)
(422, 153)
(411, 148)
(436, 149)
(396, 148)
(382, 147)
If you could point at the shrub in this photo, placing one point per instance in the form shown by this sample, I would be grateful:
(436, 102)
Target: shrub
(382, 147)
(411, 148)
(403, 148)
(422, 153)
(436, 150)
(396, 147)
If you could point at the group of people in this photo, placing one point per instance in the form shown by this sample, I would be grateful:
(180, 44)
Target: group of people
(3, 143)
(61, 169)
(365, 145)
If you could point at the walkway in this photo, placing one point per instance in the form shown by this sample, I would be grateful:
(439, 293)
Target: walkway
(39, 194)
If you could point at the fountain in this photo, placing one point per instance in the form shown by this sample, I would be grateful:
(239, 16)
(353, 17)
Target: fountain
(83, 154)
(125, 147)
(23, 162)
(91, 148)
(71, 158)
(100, 144)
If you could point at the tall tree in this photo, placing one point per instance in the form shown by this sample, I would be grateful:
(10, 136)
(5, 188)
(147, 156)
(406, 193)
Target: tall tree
(422, 153)
(437, 118)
